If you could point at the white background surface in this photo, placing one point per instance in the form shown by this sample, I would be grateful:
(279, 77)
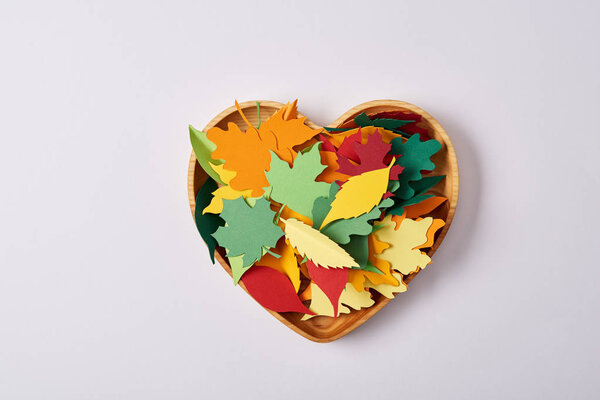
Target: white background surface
(107, 291)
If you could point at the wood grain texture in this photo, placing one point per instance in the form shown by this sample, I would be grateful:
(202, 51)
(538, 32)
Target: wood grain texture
(326, 329)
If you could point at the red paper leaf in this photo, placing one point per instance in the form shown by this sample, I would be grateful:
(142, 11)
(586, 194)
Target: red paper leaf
(273, 290)
(368, 157)
(331, 281)
(327, 145)
(347, 150)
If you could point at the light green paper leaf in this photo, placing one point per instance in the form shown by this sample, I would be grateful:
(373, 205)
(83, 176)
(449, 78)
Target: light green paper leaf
(249, 232)
(203, 149)
(296, 186)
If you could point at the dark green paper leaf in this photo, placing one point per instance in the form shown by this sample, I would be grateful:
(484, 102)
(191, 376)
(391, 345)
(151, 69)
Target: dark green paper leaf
(207, 224)
(414, 157)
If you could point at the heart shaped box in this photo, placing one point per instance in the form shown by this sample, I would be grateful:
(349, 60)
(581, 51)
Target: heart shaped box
(327, 329)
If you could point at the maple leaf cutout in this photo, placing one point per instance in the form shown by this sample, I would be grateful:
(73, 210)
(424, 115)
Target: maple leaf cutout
(374, 154)
(287, 131)
(244, 153)
(248, 153)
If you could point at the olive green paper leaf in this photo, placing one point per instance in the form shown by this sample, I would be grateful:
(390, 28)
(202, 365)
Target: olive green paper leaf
(414, 157)
(296, 186)
(339, 231)
(203, 149)
(207, 224)
(249, 232)
(322, 205)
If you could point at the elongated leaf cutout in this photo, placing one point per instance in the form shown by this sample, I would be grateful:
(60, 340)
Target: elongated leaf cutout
(273, 290)
(203, 149)
(359, 195)
(315, 246)
(331, 281)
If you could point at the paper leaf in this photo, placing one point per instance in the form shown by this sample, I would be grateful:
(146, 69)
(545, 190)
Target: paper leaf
(330, 280)
(419, 188)
(338, 138)
(207, 224)
(359, 195)
(330, 174)
(224, 192)
(424, 207)
(435, 226)
(287, 263)
(389, 291)
(288, 131)
(322, 205)
(296, 186)
(358, 277)
(339, 231)
(354, 299)
(320, 305)
(414, 157)
(409, 129)
(203, 149)
(248, 231)
(358, 248)
(369, 156)
(403, 253)
(387, 123)
(347, 149)
(315, 246)
(272, 290)
(244, 153)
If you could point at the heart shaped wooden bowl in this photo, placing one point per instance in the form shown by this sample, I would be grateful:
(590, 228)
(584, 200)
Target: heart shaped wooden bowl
(326, 329)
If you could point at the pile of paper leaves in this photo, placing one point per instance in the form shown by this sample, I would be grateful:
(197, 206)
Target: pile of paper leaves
(316, 221)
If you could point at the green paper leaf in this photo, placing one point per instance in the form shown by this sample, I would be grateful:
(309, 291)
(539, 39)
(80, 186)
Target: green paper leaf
(340, 230)
(203, 149)
(386, 123)
(249, 232)
(415, 157)
(296, 186)
(419, 187)
(358, 248)
(322, 205)
(207, 224)
(423, 185)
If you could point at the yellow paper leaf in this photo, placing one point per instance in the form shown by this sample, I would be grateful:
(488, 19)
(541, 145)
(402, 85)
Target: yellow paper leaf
(404, 254)
(316, 246)
(287, 264)
(359, 195)
(387, 289)
(321, 305)
(224, 192)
